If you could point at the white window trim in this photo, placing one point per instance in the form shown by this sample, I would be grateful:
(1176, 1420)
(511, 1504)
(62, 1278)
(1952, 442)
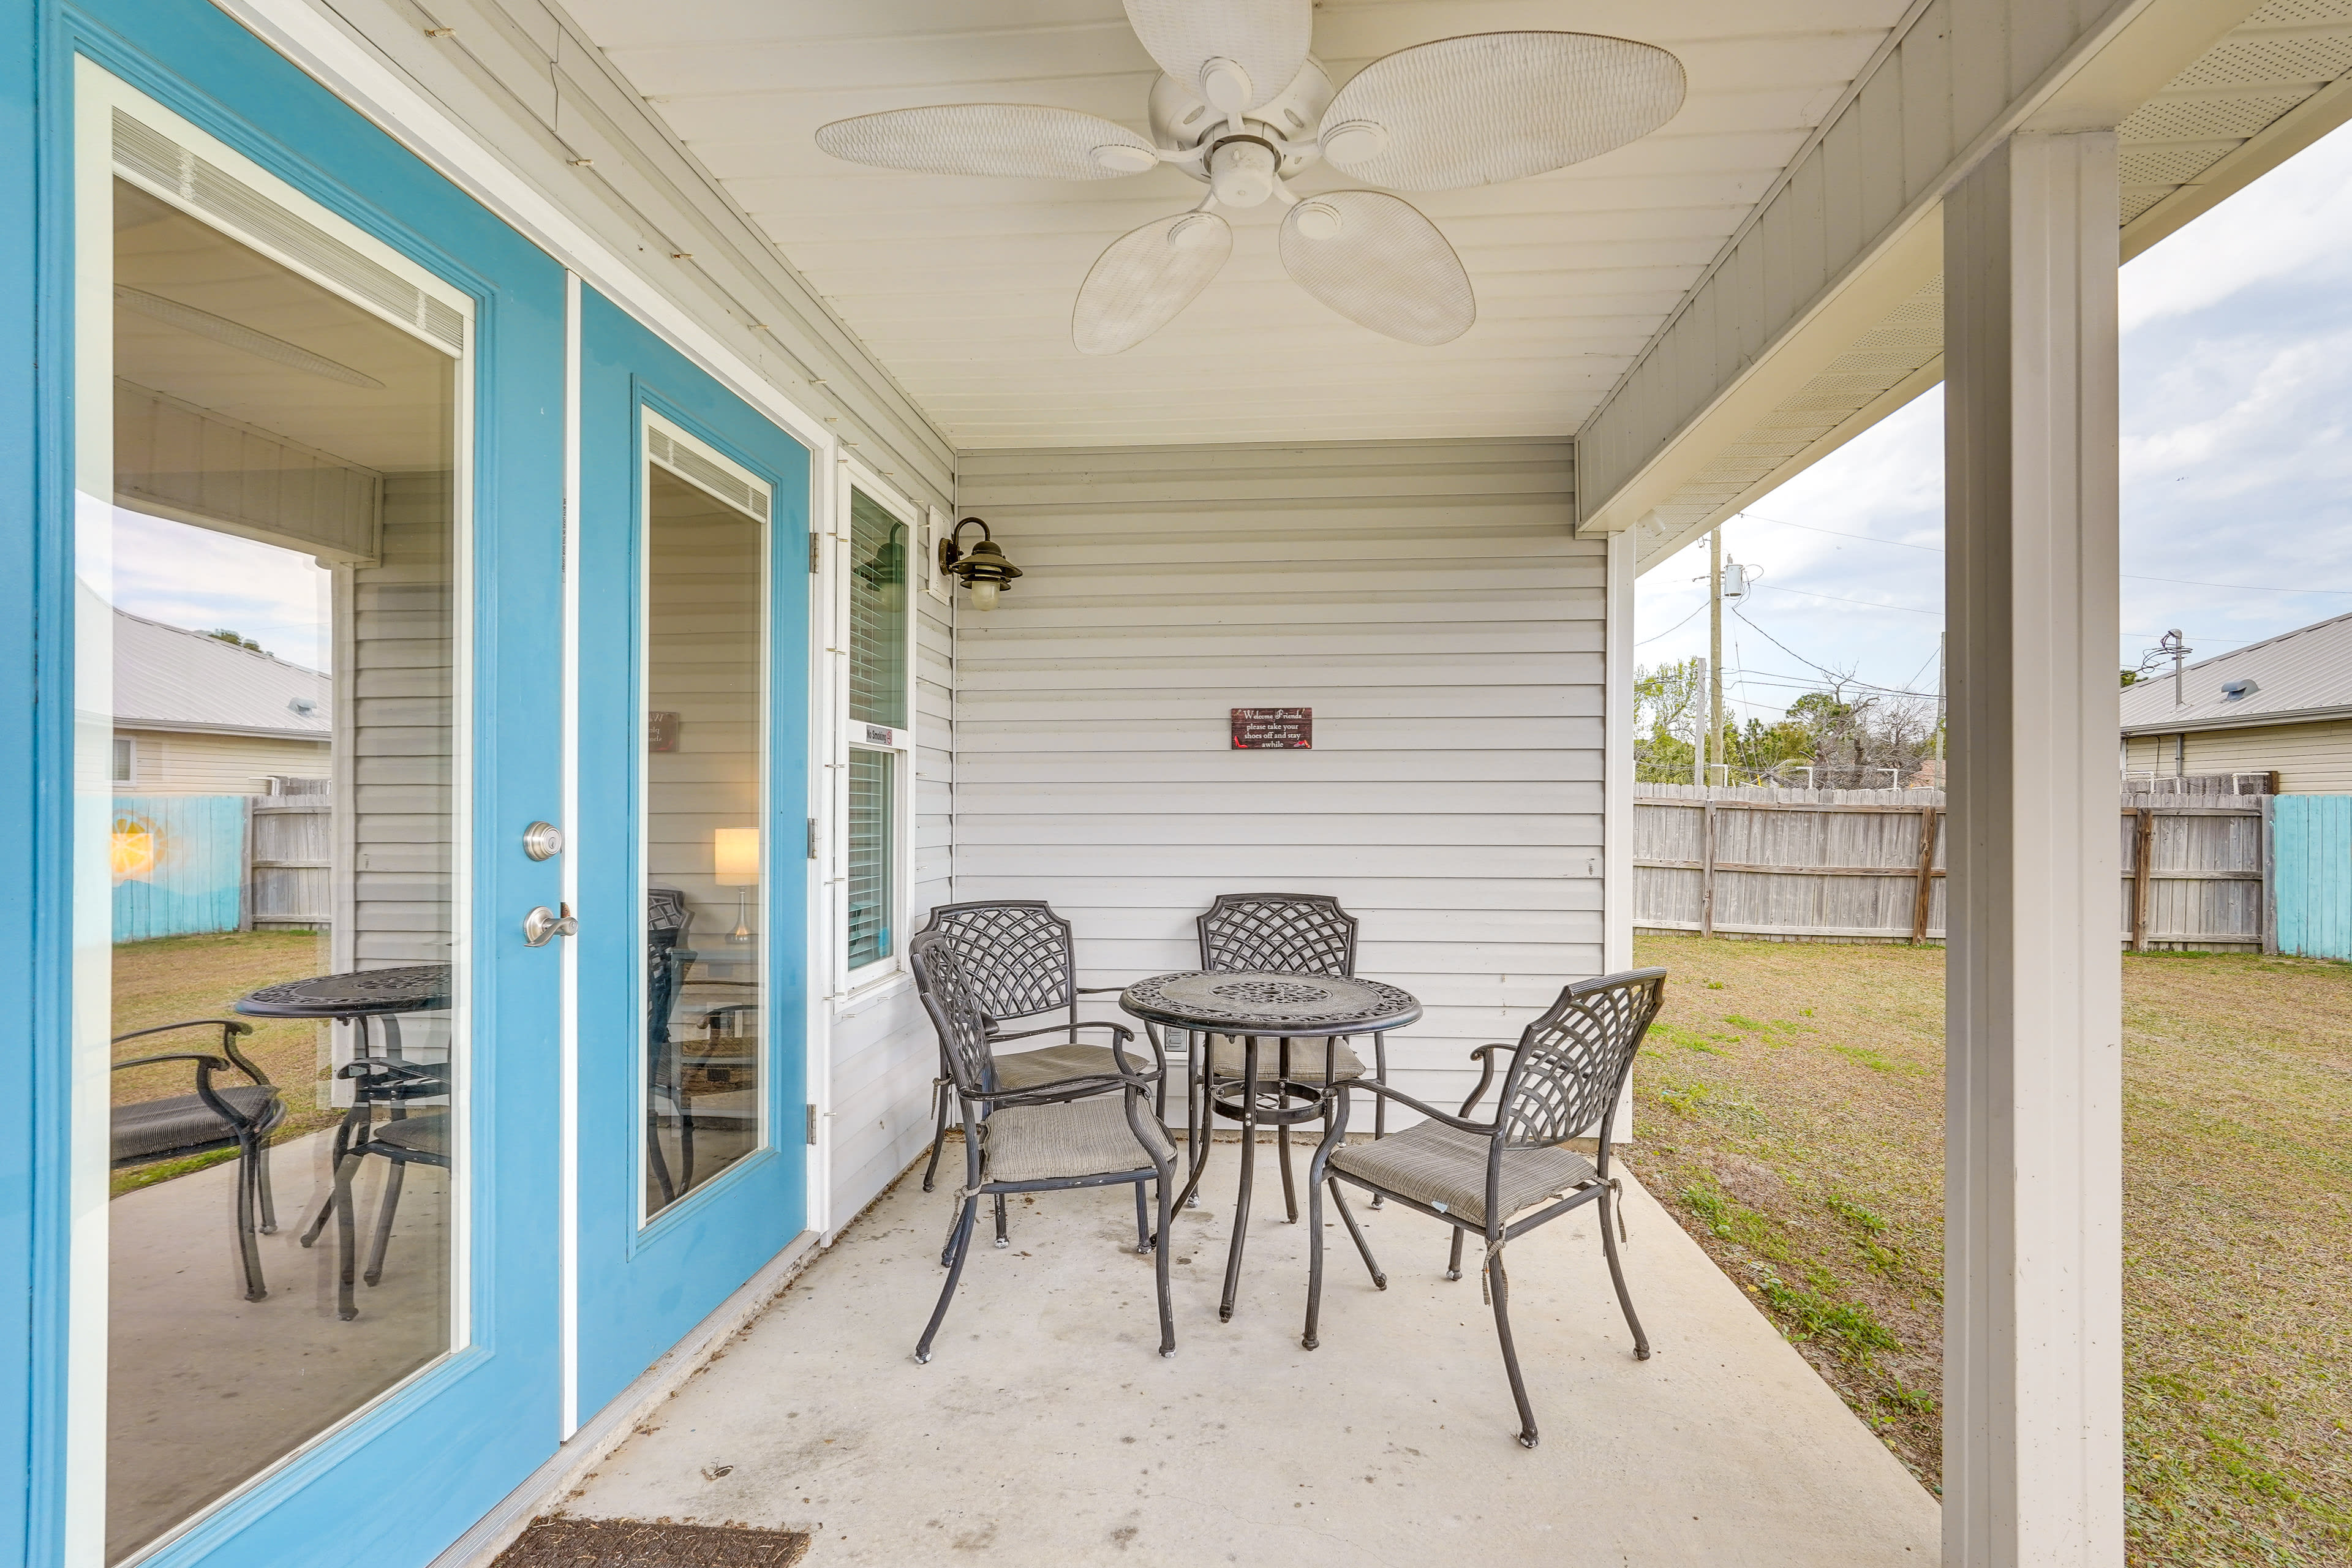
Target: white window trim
(127, 771)
(853, 987)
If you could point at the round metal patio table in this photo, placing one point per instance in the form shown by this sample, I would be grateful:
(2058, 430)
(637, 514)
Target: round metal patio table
(1258, 1005)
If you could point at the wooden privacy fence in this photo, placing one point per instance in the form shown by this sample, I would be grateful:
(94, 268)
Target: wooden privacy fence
(2311, 875)
(195, 863)
(1868, 866)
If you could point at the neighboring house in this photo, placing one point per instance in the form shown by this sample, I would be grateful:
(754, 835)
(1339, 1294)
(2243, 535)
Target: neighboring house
(2281, 706)
(196, 715)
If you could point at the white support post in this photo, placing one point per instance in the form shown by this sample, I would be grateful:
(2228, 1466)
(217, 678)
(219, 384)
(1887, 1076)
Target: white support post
(2033, 1283)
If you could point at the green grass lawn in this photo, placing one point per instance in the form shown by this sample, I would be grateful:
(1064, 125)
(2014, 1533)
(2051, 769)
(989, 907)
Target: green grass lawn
(1790, 1113)
(183, 977)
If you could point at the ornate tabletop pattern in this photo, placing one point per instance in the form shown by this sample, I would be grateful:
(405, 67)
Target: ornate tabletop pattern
(414, 988)
(1252, 1002)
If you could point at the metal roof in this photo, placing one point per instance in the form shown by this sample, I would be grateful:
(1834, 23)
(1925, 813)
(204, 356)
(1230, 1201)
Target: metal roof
(169, 677)
(2303, 674)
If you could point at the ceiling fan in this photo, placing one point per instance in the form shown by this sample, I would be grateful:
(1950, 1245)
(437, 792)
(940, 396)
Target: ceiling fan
(1245, 108)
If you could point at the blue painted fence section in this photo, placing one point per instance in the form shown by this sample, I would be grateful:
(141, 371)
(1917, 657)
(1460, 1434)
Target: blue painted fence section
(2311, 854)
(179, 864)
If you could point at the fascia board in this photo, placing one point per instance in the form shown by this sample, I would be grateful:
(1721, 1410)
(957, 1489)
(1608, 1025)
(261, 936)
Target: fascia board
(2250, 722)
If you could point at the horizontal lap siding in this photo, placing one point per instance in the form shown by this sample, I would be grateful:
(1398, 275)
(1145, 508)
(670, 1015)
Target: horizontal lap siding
(1424, 599)
(2309, 759)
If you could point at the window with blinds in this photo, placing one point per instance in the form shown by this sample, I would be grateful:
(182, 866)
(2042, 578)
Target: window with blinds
(877, 614)
(872, 833)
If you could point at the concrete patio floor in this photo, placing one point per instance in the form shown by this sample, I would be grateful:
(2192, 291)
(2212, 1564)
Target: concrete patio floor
(1047, 1430)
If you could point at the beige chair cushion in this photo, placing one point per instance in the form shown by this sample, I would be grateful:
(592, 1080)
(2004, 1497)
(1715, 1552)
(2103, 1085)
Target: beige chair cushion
(1445, 1168)
(1027, 1070)
(1227, 1058)
(1087, 1137)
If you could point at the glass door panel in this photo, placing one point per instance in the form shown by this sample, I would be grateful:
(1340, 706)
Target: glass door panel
(705, 786)
(270, 593)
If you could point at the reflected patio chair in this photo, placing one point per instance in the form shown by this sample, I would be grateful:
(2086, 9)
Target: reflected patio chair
(676, 1068)
(1565, 1074)
(391, 1083)
(1018, 958)
(217, 1116)
(1095, 1130)
(1281, 933)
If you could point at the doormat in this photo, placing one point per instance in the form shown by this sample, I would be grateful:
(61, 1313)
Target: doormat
(641, 1543)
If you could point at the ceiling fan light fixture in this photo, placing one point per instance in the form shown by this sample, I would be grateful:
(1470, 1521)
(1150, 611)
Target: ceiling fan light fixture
(1242, 171)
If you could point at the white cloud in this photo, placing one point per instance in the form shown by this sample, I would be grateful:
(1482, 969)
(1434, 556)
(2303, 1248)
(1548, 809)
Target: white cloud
(194, 577)
(2290, 222)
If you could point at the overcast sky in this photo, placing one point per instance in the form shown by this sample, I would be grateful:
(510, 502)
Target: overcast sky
(194, 577)
(2237, 390)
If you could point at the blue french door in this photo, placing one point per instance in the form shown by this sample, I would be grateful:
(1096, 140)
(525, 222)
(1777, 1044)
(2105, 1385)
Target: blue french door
(690, 848)
(288, 563)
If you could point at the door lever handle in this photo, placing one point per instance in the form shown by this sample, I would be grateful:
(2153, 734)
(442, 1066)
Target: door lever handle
(544, 923)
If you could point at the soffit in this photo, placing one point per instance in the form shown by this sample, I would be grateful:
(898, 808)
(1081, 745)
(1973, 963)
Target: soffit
(962, 287)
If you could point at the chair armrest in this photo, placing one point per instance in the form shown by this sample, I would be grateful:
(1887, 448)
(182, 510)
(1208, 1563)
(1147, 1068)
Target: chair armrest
(1120, 1029)
(1375, 1087)
(1067, 1089)
(1098, 990)
(207, 1064)
(1484, 1057)
(230, 1028)
(205, 1056)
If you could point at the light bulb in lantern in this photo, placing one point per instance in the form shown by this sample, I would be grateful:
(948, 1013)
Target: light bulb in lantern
(983, 595)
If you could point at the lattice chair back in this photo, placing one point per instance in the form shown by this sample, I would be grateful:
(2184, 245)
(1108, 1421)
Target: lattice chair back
(1017, 955)
(944, 982)
(667, 920)
(1287, 933)
(1571, 1063)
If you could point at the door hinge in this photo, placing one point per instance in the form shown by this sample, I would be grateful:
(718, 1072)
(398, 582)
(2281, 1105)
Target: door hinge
(812, 822)
(816, 554)
(812, 1126)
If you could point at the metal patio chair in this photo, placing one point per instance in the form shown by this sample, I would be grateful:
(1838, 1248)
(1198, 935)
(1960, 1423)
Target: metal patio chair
(1018, 958)
(676, 1068)
(225, 1116)
(1566, 1073)
(1095, 1130)
(1284, 933)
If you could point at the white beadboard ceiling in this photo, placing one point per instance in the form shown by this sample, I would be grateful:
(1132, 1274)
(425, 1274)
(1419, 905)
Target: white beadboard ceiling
(961, 286)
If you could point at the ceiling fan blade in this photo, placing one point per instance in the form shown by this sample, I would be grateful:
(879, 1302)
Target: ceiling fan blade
(1377, 261)
(1268, 39)
(1145, 278)
(1491, 107)
(1025, 141)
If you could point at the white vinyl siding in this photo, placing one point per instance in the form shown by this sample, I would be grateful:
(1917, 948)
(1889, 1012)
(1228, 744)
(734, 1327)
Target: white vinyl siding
(392, 707)
(172, 762)
(2309, 759)
(1426, 599)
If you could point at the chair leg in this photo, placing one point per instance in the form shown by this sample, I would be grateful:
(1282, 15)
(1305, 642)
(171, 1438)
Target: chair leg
(249, 1248)
(1142, 1222)
(1499, 1288)
(1453, 1260)
(346, 1237)
(261, 1185)
(1164, 1242)
(1380, 1105)
(1289, 1191)
(1314, 1262)
(385, 1208)
(1196, 1126)
(1241, 1219)
(660, 1165)
(1002, 1239)
(685, 1141)
(1372, 1266)
(959, 1242)
(938, 1134)
(1617, 1277)
(327, 1204)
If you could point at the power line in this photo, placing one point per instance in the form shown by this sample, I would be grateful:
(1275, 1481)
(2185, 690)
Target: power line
(1676, 628)
(1866, 604)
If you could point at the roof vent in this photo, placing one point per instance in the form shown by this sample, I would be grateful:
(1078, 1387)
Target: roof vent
(303, 706)
(2231, 691)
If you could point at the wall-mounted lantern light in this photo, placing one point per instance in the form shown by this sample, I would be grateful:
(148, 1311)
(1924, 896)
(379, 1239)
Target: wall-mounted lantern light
(984, 569)
(885, 573)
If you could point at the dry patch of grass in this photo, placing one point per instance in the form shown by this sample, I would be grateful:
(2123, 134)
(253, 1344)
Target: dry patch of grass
(185, 977)
(1791, 1116)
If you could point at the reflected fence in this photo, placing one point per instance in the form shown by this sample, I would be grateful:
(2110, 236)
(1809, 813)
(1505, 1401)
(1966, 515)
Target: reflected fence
(184, 865)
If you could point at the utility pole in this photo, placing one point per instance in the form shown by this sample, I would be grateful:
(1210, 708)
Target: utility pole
(2179, 650)
(1939, 710)
(1714, 644)
(1698, 727)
